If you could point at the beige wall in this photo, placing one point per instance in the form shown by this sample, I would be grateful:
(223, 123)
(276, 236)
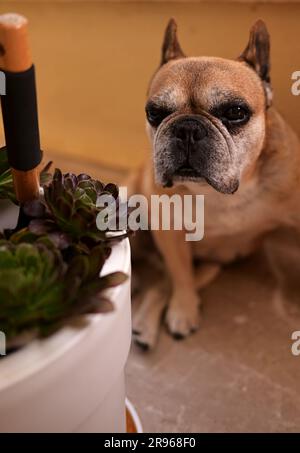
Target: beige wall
(94, 60)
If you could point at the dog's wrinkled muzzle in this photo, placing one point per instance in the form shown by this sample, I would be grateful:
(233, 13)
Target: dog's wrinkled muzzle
(193, 147)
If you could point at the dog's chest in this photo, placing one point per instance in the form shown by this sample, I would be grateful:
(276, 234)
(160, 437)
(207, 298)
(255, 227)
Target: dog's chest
(234, 224)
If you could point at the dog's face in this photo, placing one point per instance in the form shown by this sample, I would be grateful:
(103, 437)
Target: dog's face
(206, 115)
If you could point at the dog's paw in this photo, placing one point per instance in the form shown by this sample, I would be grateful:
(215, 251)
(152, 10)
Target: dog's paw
(145, 339)
(144, 332)
(183, 318)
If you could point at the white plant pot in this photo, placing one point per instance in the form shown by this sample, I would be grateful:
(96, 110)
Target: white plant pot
(73, 381)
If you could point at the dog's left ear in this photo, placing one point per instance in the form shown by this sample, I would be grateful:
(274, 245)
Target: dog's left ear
(257, 55)
(171, 49)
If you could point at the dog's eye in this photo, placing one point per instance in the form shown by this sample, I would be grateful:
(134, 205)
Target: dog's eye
(236, 115)
(233, 114)
(156, 115)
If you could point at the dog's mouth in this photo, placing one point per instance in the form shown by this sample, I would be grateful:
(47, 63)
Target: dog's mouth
(183, 174)
(187, 172)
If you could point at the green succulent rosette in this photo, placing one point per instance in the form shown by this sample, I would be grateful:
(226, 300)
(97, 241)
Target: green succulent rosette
(68, 211)
(40, 291)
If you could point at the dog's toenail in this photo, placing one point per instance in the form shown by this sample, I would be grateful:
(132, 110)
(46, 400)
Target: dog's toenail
(177, 336)
(136, 332)
(143, 346)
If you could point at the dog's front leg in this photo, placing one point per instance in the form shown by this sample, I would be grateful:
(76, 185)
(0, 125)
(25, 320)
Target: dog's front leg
(183, 314)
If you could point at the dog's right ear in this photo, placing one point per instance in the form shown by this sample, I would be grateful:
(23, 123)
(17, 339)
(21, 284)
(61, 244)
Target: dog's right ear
(171, 49)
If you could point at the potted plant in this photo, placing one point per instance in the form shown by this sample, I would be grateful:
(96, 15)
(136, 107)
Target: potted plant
(64, 371)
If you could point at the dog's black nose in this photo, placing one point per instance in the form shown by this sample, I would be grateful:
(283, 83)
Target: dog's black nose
(190, 132)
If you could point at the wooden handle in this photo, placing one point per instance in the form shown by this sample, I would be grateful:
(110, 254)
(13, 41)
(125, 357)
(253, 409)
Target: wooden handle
(15, 56)
(14, 43)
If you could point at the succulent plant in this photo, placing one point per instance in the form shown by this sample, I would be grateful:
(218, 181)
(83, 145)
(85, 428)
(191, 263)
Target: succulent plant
(49, 271)
(6, 179)
(39, 290)
(68, 212)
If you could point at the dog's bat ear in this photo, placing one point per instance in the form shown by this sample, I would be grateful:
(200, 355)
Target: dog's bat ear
(171, 49)
(257, 52)
(257, 55)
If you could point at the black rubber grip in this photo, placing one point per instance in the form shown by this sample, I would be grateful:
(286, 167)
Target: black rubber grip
(20, 118)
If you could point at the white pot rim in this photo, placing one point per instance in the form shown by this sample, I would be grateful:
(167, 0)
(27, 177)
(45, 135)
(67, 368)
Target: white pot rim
(41, 353)
(135, 416)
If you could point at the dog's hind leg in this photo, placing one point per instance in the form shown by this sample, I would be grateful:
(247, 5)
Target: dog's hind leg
(147, 319)
(153, 303)
(205, 273)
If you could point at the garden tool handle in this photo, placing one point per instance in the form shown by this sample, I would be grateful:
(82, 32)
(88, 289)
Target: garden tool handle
(15, 60)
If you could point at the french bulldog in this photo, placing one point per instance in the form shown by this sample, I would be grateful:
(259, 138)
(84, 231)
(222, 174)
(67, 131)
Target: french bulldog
(213, 131)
